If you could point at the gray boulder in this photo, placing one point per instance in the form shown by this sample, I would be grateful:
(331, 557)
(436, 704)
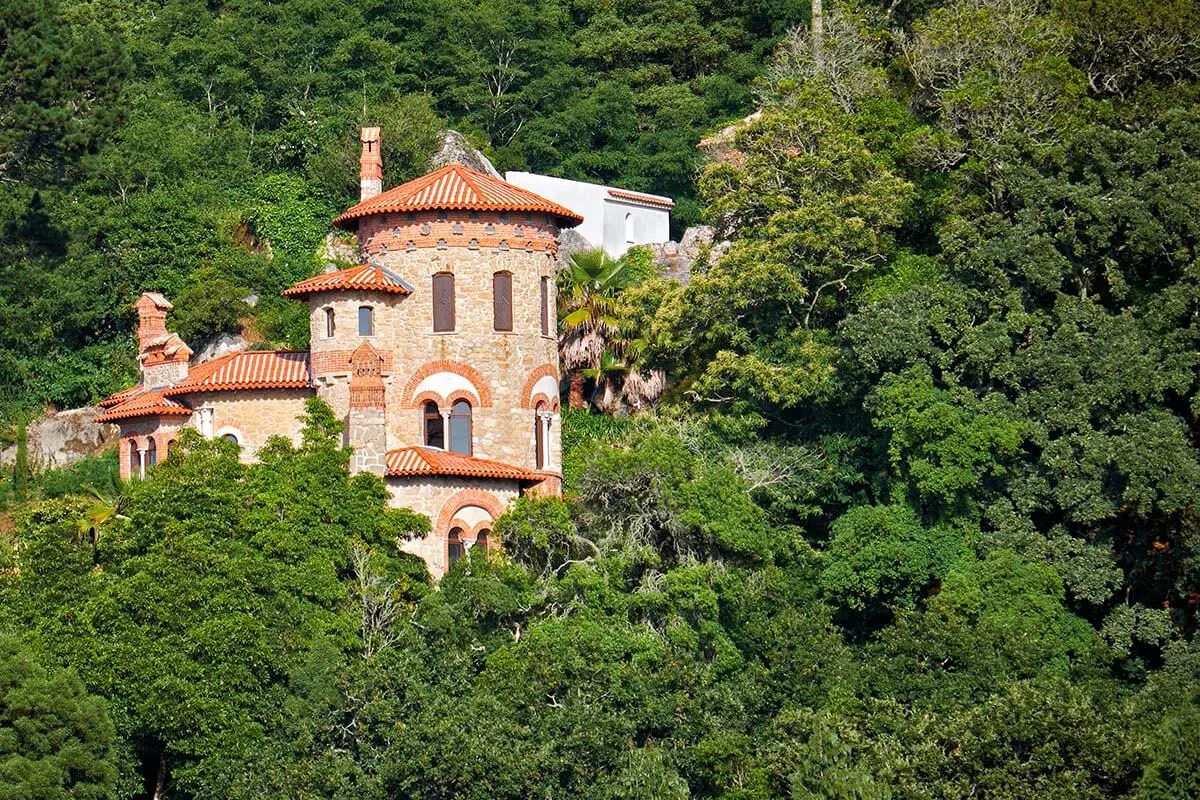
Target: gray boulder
(58, 440)
(222, 345)
(455, 149)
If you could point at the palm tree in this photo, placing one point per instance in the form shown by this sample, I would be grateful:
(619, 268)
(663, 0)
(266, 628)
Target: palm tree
(588, 288)
(608, 372)
(104, 510)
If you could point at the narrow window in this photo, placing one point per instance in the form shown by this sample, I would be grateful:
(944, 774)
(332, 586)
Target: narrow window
(545, 307)
(135, 463)
(502, 301)
(151, 454)
(443, 302)
(454, 547)
(435, 434)
(460, 427)
(483, 540)
(539, 437)
(330, 327)
(629, 227)
(366, 321)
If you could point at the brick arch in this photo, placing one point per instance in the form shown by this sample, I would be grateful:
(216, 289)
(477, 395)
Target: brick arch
(425, 397)
(545, 370)
(456, 367)
(467, 497)
(540, 397)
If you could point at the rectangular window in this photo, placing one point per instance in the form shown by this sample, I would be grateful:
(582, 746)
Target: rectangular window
(546, 307)
(330, 327)
(443, 302)
(502, 301)
(366, 321)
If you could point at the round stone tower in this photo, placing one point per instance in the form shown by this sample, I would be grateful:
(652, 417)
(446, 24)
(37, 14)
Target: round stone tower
(452, 311)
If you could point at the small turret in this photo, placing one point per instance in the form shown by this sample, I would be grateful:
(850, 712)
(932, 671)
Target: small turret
(370, 172)
(366, 426)
(163, 356)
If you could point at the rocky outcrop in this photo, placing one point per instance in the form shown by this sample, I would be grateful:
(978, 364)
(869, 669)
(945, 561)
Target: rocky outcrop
(339, 251)
(58, 440)
(720, 146)
(223, 345)
(570, 242)
(676, 259)
(455, 149)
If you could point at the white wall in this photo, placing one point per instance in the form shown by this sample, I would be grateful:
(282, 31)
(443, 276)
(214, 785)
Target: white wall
(603, 215)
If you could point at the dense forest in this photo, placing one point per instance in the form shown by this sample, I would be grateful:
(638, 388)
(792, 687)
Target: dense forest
(917, 516)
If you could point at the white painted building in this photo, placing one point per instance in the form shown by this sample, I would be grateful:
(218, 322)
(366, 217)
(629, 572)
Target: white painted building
(614, 219)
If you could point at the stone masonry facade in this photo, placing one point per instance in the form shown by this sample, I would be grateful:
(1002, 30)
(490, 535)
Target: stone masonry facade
(458, 422)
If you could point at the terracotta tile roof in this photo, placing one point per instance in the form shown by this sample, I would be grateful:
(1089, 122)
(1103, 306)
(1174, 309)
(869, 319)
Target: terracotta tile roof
(116, 398)
(431, 461)
(456, 187)
(249, 369)
(366, 277)
(638, 197)
(145, 404)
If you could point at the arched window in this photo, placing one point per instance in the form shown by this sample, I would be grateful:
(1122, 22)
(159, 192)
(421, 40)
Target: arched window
(483, 540)
(366, 321)
(330, 326)
(151, 453)
(502, 310)
(443, 302)
(170, 446)
(454, 547)
(539, 436)
(135, 463)
(435, 433)
(230, 437)
(460, 427)
(629, 227)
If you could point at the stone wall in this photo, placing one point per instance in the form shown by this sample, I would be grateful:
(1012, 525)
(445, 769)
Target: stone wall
(471, 505)
(495, 371)
(139, 437)
(251, 416)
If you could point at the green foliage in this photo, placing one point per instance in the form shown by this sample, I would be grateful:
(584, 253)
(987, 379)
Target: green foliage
(56, 740)
(883, 555)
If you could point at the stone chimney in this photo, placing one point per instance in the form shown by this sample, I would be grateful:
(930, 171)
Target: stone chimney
(365, 424)
(163, 356)
(370, 170)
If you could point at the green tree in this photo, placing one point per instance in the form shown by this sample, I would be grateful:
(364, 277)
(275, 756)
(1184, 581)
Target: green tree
(56, 740)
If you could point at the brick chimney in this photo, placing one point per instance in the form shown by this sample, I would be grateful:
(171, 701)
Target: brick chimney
(163, 356)
(365, 424)
(370, 171)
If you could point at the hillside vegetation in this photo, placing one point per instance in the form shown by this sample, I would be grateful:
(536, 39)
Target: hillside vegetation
(918, 515)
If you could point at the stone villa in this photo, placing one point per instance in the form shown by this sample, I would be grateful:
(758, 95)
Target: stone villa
(439, 351)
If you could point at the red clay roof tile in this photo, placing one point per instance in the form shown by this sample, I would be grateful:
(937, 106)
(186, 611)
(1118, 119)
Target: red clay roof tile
(456, 187)
(365, 277)
(430, 461)
(249, 369)
(645, 199)
(145, 404)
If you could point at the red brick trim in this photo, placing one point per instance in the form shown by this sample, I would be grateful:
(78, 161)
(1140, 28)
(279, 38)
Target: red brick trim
(325, 362)
(460, 500)
(540, 397)
(461, 394)
(458, 368)
(538, 373)
(425, 397)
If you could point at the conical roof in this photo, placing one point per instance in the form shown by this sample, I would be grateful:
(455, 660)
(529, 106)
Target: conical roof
(456, 187)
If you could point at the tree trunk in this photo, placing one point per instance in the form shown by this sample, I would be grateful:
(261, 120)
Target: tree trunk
(575, 393)
(818, 31)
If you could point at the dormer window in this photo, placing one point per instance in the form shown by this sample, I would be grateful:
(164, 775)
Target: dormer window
(330, 325)
(366, 321)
